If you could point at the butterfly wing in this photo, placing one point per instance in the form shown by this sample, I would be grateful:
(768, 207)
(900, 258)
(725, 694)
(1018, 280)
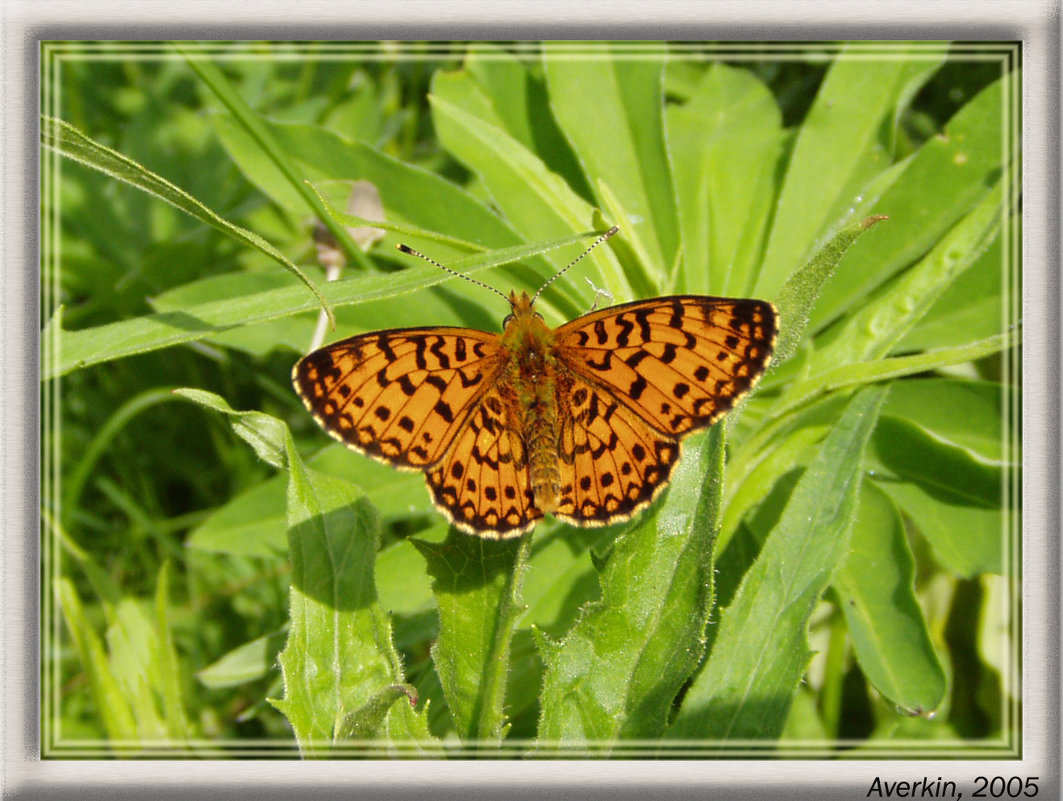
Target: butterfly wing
(679, 363)
(612, 462)
(400, 396)
(482, 483)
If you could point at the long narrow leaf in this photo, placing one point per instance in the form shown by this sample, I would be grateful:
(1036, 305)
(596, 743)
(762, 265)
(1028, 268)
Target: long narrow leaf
(78, 349)
(761, 650)
(72, 143)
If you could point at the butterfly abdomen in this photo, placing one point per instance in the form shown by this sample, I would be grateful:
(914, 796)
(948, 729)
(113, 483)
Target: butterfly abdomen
(544, 473)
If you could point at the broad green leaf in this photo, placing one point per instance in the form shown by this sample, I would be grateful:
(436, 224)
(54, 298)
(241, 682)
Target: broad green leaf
(611, 110)
(845, 140)
(364, 722)
(954, 500)
(761, 648)
(876, 592)
(264, 433)
(970, 308)
(959, 412)
(561, 576)
(477, 583)
(339, 656)
(442, 305)
(520, 100)
(236, 105)
(876, 328)
(724, 144)
(247, 662)
(615, 674)
(533, 199)
(753, 471)
(941, 183)
(448, 222)
(849, 375)
(253, 522)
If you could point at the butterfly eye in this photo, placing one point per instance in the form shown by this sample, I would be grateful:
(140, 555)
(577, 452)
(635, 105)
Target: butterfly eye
(506, 321)
(538, 315)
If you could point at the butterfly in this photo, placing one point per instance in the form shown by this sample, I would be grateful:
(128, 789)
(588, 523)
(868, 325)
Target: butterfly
(582, 422)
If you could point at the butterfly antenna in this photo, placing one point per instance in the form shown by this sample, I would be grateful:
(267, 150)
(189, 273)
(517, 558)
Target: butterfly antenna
(594, 244)
(412, 252)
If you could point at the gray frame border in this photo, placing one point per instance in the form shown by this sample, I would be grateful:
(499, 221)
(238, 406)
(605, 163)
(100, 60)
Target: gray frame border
(1036, 24)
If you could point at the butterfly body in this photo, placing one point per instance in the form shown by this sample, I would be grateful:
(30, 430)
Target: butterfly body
(531, 370)
(582, 421)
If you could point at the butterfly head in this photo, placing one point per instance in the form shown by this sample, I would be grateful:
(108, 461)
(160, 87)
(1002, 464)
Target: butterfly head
(521, 309)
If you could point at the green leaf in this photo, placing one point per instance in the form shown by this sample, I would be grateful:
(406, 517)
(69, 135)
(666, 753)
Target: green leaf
(728, 139)
(755, 469)
(339, 655)
(798, 295)
(477, 587)
(516, 94)
(264, 433)
(958, 412)
(876, 328)
(845, 140)
(65, 351)
(112, 703)
(940, 184)
(535, 200)
(611, 112)
(849, 375)
(250, 121)
(253, 523)
(367, 722)
(761, 649)
(876, 591)
(409, 194)
(908, 452)
(70, 142)
(616, 673)
(954, 499)
(972, 306)
(245, 663)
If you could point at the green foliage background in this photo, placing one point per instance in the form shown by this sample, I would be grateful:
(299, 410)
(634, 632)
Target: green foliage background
(836, 574)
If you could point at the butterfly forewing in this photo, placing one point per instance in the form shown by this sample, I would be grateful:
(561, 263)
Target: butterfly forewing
(678, 362)
(400, 396)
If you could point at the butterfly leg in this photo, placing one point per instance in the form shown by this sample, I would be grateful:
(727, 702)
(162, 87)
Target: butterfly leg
(599, 293)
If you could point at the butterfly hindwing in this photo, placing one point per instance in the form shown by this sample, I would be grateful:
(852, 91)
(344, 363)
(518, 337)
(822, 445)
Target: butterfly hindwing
(679, 363)
(482, 483)
(402, 395)
(612, 462)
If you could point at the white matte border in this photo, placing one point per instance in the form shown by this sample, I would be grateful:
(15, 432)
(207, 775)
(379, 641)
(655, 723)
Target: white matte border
(25, 22)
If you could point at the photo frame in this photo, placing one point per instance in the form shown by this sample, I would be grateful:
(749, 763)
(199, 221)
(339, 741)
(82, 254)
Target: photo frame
(1040, 413)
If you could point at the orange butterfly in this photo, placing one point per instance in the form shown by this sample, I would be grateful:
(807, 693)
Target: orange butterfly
(582, 422)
